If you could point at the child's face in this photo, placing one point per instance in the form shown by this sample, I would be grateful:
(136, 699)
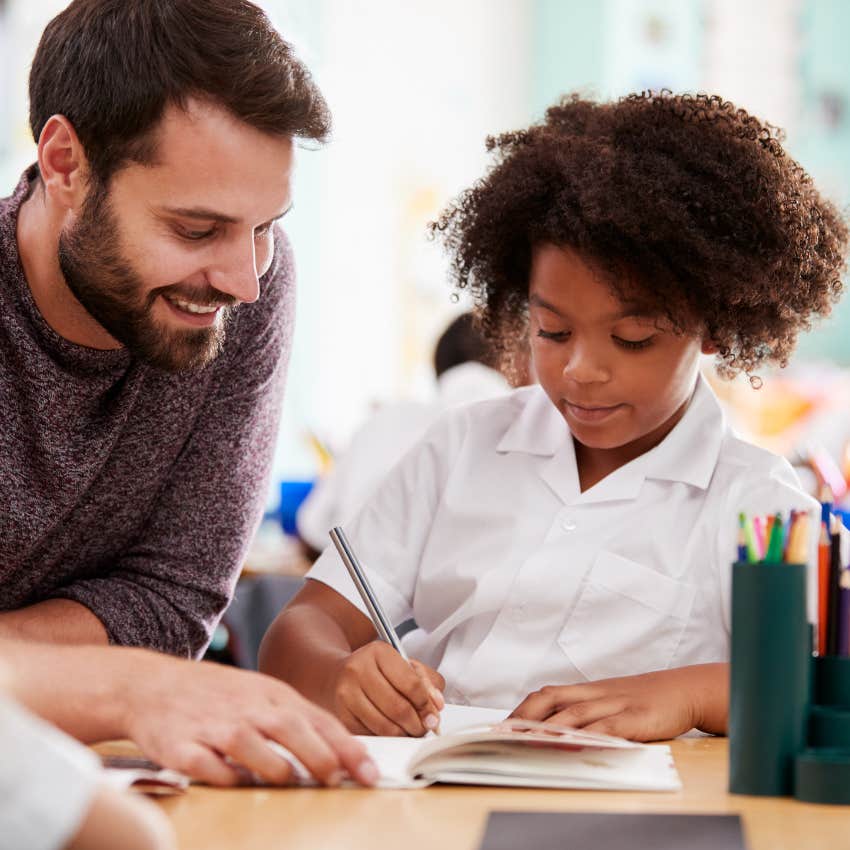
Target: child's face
(619, 377)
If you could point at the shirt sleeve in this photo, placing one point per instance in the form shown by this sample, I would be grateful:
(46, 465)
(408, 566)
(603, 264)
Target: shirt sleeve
(391, 531)
(47, 782)
(168, 591)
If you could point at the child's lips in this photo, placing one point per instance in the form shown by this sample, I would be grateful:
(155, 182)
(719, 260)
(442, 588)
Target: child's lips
(591, 413)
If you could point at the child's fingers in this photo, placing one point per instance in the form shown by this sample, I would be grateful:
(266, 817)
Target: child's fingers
(415, 688)
(541, 705)
(622, 725)
(375, 721)
(351, 722)
(392, 703)
(581, 715)
(434, 681)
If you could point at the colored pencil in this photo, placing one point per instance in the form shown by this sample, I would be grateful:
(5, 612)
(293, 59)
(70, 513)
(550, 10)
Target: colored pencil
(775, 540)
(844, 612)
(750, 540)
(797, 550)
(823, 586)
(834, 575)
(761, 541)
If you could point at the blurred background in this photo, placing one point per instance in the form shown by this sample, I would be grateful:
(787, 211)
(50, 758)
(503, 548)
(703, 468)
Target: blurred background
(415, 87)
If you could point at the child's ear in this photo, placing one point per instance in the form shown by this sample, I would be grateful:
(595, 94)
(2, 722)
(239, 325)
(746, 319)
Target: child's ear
(708, 347)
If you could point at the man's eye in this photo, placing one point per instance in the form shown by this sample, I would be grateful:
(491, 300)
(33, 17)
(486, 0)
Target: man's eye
(264, 230)
(633, 344)
(557, 336)
(196, 235)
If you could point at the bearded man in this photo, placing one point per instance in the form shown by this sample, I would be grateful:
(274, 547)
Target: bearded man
(146, 311)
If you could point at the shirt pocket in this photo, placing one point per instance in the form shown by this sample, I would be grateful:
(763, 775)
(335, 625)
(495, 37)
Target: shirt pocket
(628, 619)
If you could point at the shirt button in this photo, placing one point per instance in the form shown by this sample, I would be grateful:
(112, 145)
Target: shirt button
(568, 524)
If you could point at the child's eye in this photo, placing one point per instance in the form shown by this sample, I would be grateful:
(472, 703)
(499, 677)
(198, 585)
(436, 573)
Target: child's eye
(261, 231)
(633, 344)
(557, 336)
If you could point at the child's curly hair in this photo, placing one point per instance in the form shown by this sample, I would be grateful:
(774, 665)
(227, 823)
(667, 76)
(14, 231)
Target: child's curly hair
(685, 197)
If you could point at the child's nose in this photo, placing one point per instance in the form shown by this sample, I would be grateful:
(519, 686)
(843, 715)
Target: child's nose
(584, 366)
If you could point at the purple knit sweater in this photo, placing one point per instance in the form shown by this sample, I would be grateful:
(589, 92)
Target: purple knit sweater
(130, 490)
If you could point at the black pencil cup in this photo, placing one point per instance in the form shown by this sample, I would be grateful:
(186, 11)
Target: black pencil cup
(770, 677)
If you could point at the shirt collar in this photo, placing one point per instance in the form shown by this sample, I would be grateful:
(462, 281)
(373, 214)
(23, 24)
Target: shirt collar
(688, 454)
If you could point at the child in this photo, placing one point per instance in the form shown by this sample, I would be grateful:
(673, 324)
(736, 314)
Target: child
(566, 551)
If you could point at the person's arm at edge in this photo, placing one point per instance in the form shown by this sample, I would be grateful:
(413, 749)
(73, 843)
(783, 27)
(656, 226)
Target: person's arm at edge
(53, 621)
(141, 825)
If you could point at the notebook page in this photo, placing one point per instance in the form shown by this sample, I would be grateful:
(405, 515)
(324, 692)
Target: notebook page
(455, 717)
(393, 755)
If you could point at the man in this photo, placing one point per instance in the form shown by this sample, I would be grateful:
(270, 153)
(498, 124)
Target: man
(147, 305)
(146, 308)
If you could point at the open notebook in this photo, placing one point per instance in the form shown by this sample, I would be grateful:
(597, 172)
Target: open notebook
(478, 747)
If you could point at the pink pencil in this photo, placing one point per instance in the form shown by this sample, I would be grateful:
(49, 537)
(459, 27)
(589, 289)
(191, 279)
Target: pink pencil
(758, 528)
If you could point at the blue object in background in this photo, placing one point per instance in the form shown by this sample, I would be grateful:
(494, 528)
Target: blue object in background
(292, 494)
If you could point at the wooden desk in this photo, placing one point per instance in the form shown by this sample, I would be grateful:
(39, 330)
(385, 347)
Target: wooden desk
(452, 818)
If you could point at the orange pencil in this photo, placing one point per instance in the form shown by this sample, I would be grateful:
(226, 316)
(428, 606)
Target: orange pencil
(768, 528)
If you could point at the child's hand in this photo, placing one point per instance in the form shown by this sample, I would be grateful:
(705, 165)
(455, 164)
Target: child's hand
(650, 707)
(376, 692)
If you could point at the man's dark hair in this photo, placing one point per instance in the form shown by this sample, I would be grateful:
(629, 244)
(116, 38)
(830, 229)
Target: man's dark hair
(111, 67)
(461, 342)
(685, 202)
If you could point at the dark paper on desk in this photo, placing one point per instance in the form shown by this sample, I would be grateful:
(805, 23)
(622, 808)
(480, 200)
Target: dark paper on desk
(605, 831)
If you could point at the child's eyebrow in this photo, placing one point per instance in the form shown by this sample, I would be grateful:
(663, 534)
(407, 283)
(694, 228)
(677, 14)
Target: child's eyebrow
(632, 310)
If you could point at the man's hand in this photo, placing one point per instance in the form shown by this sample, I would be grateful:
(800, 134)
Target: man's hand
(374, 691)
(650, 707)
(205, 719)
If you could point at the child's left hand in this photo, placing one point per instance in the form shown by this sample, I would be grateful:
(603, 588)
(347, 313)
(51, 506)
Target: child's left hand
(650, 707)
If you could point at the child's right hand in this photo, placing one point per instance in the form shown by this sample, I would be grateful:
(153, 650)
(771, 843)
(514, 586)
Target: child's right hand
(376, 692)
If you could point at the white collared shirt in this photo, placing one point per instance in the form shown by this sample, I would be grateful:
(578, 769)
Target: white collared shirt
(517, 579)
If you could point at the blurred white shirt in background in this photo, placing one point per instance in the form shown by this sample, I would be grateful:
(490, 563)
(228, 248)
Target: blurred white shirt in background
(380, 442)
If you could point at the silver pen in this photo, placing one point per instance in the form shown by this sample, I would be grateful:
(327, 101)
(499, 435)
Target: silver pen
(382, 624)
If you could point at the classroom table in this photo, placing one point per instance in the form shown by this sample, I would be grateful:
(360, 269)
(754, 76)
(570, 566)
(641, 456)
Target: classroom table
(453, 818)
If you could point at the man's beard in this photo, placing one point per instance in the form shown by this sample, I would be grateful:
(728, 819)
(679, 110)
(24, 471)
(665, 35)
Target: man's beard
(109, 288)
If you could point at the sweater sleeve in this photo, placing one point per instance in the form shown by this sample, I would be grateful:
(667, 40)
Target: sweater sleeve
(169, 589)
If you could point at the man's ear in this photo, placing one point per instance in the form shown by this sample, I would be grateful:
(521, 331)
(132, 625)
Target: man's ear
(62, 163)
(708, 347)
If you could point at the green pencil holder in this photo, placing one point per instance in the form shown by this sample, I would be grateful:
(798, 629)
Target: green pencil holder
(770, 677)
(829, 727)
(832, 681)
(823, 776)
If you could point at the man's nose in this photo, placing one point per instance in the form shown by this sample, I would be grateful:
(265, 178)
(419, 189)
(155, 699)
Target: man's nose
(236, 272)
